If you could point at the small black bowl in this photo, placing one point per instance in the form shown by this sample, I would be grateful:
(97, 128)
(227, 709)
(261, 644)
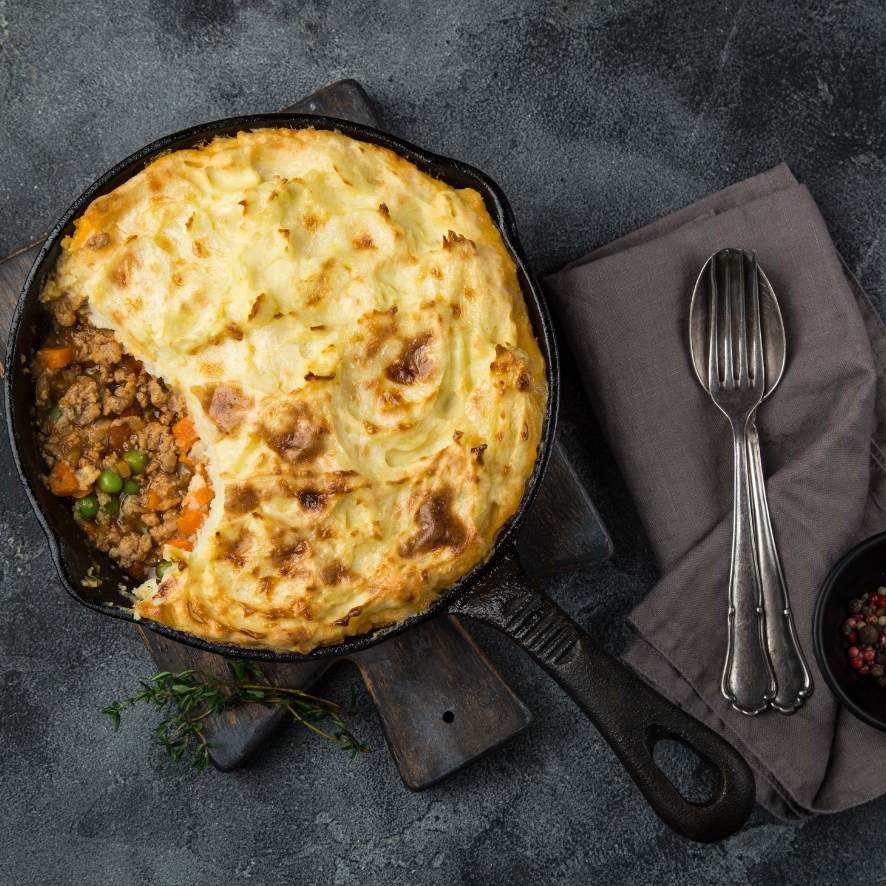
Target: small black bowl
(861, 571)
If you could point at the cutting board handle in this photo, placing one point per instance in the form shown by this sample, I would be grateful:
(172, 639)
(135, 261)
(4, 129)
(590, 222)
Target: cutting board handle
(628, 713)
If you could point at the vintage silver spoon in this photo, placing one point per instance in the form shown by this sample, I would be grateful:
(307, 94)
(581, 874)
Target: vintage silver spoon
(792, 675)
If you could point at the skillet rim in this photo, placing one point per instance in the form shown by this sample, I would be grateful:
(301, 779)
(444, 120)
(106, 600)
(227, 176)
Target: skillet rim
(435, 165)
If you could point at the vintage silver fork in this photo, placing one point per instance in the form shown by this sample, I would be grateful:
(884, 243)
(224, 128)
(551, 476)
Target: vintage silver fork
(748, 680)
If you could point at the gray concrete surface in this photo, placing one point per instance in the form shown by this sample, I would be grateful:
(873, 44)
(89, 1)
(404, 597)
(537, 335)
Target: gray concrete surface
(595, 118)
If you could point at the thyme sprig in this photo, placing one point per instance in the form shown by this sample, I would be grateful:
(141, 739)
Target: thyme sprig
(194, 695)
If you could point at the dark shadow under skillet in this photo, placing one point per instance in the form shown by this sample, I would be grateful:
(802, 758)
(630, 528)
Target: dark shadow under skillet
(630, 715)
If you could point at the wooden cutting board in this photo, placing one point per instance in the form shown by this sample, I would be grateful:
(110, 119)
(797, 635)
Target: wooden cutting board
(442, 704)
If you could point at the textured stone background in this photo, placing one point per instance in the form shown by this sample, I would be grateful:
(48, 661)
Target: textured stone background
(595, 119)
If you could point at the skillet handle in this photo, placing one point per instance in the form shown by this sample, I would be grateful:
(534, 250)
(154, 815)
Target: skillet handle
(628, 713)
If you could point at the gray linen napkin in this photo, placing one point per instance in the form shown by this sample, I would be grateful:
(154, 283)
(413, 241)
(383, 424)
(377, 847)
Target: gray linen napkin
(625, 309)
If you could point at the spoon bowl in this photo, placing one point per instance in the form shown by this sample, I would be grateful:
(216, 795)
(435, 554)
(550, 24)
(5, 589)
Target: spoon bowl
(771, 323)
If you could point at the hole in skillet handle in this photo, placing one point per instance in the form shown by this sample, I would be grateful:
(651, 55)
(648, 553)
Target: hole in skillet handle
(694, 777)
(448, 716)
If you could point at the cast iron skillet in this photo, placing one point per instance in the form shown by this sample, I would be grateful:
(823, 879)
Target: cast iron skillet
(630, 715)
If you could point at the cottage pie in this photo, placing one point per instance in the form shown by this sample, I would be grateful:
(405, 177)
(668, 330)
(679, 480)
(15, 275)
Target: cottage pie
(291, 384)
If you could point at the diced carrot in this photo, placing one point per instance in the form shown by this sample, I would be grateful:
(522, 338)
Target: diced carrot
(62, 481)
(155, 501)
(55, 358)
(186, 461)
(203, 495)
(182, 543)
(190, 521)
(118, 435)
(185, 435)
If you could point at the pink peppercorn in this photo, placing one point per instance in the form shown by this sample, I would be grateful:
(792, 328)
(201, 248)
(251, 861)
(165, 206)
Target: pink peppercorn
(857, 662)
(853, 652)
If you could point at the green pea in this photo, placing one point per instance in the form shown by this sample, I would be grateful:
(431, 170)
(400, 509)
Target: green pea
(112, 508)
(87, 506)
(130, 487)
(162, 568)
(137, 461)
(110, 482)
(54, 414)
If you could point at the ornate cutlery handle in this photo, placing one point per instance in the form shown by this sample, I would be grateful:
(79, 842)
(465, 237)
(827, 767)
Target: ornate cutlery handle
(748, 681)
(791, 673)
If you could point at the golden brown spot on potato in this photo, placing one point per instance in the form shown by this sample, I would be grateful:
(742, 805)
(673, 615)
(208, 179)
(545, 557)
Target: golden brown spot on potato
(226, 405)
(277, 316)
(478, 451)
(363, 241)
(98, 240)
(506, 469)
(295, 435)
(428, 305)
(240, 498)
(189, 222)
(284, 232)
(352, 614)
(234, 331)
(266, 584)
(199, 248)
(336, 572)
(524, 432)
(286, 550)
(311, 499)
(457, 435)
(322, 284)
(311, 377)
(434, 271)
(256, 307)
(196, 612)
(369, 427)
(317, 328)
(273, 196)
(245, 205)
(178, 279)
(310, 221)
(511, 368)
(439, 527)
(123, 272)
(236, 550)
(456, 311)
(378, 327)
(383, 209)
(414, 363)
(130, 238)
(466, 247)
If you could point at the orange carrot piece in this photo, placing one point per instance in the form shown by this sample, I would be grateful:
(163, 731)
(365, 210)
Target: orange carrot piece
(118, 435)
(190, 521)
(62, 481)
(184, 433)
(155, 501)
(55, 358)
(203, 495)
(182, 543)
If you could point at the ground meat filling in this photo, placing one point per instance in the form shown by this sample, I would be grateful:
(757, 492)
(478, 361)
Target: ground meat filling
(118, 443)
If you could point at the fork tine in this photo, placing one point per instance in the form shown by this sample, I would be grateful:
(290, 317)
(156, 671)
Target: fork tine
(740, 312)
(756, 327)
(713, 354)
(729, 364)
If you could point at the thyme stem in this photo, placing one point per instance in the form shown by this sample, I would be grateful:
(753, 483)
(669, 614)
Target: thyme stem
(194, 695)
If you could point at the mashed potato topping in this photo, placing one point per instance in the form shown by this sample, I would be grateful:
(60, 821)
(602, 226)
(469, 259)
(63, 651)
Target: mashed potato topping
(356, 357)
